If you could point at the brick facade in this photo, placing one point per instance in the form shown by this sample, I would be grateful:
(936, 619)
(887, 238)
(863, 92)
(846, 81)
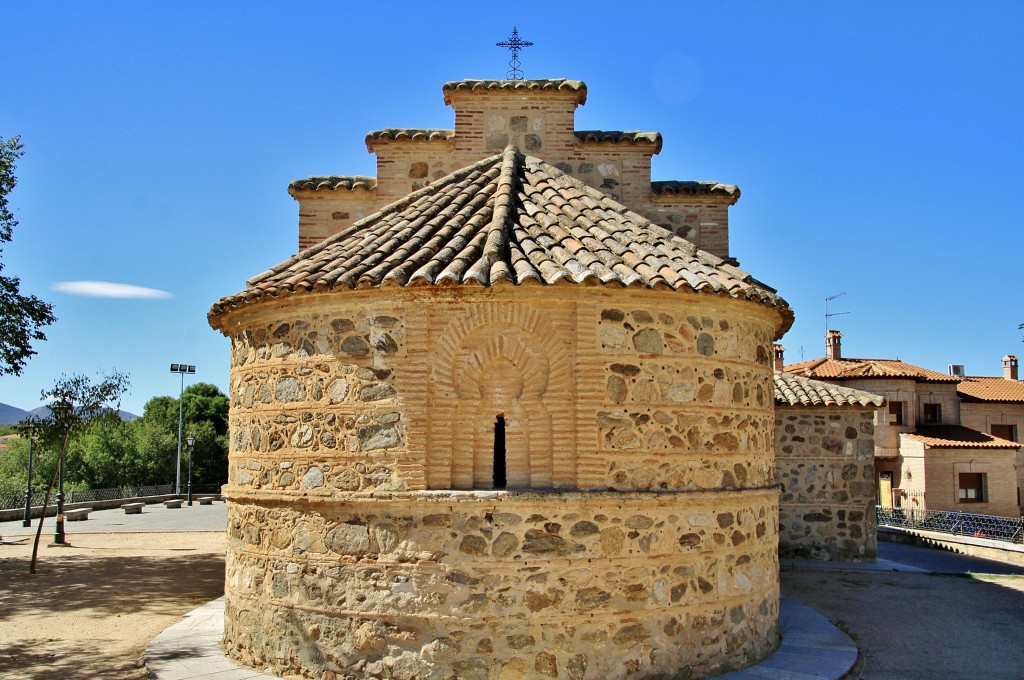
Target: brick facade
(541, 122)
(637, 534)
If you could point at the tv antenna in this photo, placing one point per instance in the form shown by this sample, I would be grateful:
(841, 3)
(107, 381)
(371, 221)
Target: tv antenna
(829, 315)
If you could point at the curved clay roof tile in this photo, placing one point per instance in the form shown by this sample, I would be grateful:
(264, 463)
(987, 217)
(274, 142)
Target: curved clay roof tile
(506, 220)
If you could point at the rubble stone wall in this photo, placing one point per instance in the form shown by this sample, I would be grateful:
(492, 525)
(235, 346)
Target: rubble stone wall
(484, 585)
(825, 463)
(637, 533)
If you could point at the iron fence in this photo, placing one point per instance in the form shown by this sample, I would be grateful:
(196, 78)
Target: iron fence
(953, 522)
(17, 500)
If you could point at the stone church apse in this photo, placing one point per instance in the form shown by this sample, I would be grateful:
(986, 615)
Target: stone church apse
(503, 427)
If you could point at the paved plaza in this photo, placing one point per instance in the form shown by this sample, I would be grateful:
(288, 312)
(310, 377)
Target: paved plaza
(155, 518)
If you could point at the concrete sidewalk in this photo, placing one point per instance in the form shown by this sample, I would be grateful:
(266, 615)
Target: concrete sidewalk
(812, 648)
(155, 518)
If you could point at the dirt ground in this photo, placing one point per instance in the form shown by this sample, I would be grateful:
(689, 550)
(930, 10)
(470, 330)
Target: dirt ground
(91, 609)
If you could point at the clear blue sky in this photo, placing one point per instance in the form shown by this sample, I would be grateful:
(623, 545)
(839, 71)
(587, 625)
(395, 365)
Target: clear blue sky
(878, 146)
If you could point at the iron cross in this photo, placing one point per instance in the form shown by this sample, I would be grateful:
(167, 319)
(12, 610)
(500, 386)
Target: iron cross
(514, 44)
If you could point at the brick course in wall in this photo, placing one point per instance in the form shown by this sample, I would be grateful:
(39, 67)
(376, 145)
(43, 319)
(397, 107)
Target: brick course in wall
(637, 533)
(541, 123)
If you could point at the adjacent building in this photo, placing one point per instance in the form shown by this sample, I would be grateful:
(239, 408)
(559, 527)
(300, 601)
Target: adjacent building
(824, 458)
(935, 444)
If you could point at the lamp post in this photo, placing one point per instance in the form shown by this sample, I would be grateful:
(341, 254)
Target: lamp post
(190, 440)
(183, 369)
(29, 430)
(61, 411)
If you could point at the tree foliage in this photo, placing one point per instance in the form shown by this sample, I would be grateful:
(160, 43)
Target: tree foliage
(112, 453)
(76, 404)
(21, 316)
(107, 452)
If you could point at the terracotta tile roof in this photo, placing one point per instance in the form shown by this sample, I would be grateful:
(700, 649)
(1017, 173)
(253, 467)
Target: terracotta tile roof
(793, 390)
(977, 388)
(576, 86)
(852, 369)
(620, 136)
(416, 134)
(694, 188)
(507, 220)
(958, 437)
(333, 183)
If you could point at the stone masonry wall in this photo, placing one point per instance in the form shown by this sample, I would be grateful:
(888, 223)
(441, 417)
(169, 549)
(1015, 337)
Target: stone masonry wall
(498, 585)
(637, 534)
(825, 463)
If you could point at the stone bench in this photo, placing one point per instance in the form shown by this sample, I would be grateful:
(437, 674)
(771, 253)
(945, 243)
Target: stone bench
(133, 508)
(77, 515)
(206, 500)
(173, 503)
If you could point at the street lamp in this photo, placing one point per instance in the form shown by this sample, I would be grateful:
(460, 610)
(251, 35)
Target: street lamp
(61, 411)
(190, 440)
(28, 429)
(183, 369)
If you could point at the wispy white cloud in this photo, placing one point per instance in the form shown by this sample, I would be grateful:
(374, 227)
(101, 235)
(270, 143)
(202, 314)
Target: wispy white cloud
(106, 289)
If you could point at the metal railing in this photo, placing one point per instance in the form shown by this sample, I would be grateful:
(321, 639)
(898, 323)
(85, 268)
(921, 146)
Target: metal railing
(953, 522)
(17, 500)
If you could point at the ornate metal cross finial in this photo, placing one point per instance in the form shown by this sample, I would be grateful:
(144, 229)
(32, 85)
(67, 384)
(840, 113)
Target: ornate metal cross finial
(514, 44)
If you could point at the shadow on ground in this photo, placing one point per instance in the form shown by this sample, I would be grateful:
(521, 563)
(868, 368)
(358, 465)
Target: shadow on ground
(109, 585)
(35, 659)
(101, 589)
(921, 626)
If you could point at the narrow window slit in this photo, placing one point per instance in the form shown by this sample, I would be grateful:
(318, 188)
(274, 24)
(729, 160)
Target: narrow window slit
(499, 453)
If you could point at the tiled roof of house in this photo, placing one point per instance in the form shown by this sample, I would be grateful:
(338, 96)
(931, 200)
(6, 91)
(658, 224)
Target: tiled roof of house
(977, 388)
(793, 390)
(507, 220)
(852, 369)
(620, 137)
(417, 134)
(957, 437)
(334, 183)
(694, 188)
(576, 86)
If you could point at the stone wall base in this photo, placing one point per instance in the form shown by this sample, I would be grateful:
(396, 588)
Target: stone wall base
(501, 585)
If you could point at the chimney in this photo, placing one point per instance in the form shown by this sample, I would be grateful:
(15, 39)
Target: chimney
(833, 346)
(1010, 367)
(780, 351)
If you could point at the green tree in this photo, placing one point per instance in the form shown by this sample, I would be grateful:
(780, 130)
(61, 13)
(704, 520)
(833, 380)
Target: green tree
(21, 316)
(76, 404)
(204, 411)
(205, 414)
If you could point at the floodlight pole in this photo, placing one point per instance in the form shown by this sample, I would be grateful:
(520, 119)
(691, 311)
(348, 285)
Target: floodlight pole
(182, 369)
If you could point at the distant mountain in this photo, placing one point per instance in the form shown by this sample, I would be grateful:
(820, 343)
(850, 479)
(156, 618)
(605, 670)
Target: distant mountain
(12, 415)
